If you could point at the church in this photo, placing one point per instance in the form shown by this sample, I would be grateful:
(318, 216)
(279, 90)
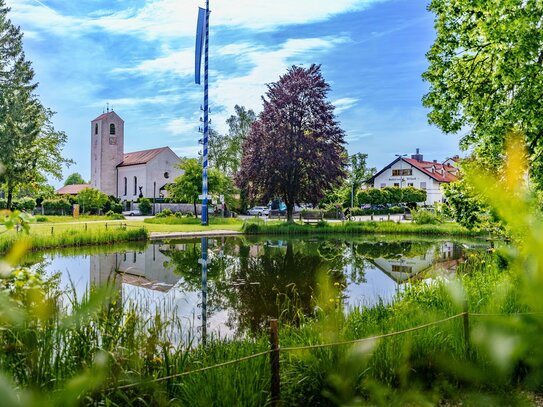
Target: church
(128, 176)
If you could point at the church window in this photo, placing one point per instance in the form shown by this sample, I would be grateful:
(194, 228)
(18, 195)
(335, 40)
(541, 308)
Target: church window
(166, 175)
(111, 128)
(125, 186)
(96, 128)
(135, 185)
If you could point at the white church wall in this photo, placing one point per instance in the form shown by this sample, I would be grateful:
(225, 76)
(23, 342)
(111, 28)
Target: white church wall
(138, 171)
(161, 170)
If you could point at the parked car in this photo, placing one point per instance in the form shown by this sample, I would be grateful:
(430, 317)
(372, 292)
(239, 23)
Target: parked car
(134, 212)
(258, 211)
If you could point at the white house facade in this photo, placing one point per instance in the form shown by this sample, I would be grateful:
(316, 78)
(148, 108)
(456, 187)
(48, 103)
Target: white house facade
(128, 176)
(415, 172)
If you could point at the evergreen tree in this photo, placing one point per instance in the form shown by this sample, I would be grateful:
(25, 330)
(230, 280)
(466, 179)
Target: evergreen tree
(29, 145)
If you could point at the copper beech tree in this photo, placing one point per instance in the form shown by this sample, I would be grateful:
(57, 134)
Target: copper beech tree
(295, 149)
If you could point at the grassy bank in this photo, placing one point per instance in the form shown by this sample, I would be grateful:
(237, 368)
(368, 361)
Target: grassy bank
(73, 237)
(174, 220)
(83, 355)
(371, 227)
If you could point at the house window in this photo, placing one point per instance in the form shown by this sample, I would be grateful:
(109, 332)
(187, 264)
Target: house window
(396, 184)
(125, 186)
(409, 184)
(423, 185)
(406, 171)
(111, 128)
(96, 128)
(383, 185)
(135, 185)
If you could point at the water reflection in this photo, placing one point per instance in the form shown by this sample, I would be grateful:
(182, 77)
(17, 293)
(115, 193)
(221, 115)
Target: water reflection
(232, 286)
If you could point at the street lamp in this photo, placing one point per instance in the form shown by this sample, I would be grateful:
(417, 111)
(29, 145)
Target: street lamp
(400, 156)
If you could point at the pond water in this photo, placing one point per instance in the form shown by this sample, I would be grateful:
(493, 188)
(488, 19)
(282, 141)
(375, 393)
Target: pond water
(243, 276)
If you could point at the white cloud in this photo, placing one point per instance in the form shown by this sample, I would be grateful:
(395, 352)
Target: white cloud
(344, 104)
(131, 102)
(174, 18)
(178, 62)
(188, 151)
(182, 126)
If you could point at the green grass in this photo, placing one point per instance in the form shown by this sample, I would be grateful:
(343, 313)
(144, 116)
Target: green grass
(70, 237)
(387, 227)
(174, 220)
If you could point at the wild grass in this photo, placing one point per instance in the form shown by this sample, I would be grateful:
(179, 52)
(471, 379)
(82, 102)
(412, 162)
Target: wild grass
(72, 238)
(370, 227)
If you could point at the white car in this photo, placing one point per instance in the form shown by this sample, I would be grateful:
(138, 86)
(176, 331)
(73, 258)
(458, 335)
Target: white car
(134, 212)
(258, 211)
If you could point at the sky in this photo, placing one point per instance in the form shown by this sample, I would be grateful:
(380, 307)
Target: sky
(138, 56)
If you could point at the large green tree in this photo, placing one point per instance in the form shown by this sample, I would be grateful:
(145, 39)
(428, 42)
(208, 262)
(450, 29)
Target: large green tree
(486, 75)
(74, 179)
(30, 148)
(295, 150)
(188, 186)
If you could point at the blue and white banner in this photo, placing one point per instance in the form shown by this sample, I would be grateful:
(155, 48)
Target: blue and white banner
(200, 36)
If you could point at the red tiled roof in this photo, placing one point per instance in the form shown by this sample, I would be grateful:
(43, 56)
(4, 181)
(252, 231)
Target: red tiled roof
(141, 157)
(442, 173)
(104, 115)
(72, 189)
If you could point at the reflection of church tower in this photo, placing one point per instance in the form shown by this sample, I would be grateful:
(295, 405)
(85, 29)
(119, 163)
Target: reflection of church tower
(103, 270)
(107, 151)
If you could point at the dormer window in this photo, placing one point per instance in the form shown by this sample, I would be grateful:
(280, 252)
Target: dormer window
(96, 128)
(111, 128)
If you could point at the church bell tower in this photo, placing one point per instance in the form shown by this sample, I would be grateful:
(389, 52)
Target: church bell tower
(107, 151)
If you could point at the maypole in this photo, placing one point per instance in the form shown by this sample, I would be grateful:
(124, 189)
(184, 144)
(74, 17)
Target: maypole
(202, 35)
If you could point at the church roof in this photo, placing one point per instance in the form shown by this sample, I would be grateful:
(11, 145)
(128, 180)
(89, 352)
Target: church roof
(72, 189)
(141, 157)
(104, 115)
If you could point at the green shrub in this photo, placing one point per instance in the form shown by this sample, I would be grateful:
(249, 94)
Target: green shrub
(57, 207)
(426, 217)
(41, 219)
(166, 212)
(144, 205)
(115, 216)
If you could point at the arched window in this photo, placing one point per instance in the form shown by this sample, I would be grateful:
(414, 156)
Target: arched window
(135, 185)
(96, 128)
(111, 128)
(125, 186)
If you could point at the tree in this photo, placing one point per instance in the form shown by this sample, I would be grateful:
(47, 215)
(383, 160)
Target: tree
(30, 148)
(485, 72)
(74, 179)
(92, 200)
(359, 171)
(188, 186)
(144, 205)
(295, 149)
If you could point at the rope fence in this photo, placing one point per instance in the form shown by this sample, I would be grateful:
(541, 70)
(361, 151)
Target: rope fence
(275, 349)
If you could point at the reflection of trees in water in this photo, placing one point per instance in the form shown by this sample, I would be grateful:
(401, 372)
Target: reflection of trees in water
(292, 273)
(389, 250)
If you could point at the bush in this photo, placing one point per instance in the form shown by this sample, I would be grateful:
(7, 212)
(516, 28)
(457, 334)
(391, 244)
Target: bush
(115, 216)
(426, 217)
(24, 204)
(57, 207)
(144, 205)
(41, 219)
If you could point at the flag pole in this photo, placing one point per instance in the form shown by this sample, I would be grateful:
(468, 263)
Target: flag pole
(205, 220)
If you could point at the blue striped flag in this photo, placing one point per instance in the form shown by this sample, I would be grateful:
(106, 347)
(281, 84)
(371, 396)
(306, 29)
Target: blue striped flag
(200, 35)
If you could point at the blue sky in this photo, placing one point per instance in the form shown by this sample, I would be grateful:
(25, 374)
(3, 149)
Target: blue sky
(138, 55)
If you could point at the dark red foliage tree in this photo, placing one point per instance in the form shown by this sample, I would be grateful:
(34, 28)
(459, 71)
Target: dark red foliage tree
(295, 150)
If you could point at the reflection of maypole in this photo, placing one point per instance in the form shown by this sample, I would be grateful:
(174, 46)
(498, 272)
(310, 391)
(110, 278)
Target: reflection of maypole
(202, 35)
(203, 261)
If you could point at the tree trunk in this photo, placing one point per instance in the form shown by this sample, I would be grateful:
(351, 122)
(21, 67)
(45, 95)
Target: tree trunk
(10, 198)
(195, 211)
(290, 212)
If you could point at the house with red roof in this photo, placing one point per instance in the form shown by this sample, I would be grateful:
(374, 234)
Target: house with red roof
(128, 176)
(415, 172)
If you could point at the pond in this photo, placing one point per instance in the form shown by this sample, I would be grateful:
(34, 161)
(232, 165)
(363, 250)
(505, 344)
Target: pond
(235, 286)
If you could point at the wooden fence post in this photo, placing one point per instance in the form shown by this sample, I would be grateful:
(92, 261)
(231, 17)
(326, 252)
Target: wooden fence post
(106, 225)
(274, 363)
(85, 227)
(52, 230)
(466, 326)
